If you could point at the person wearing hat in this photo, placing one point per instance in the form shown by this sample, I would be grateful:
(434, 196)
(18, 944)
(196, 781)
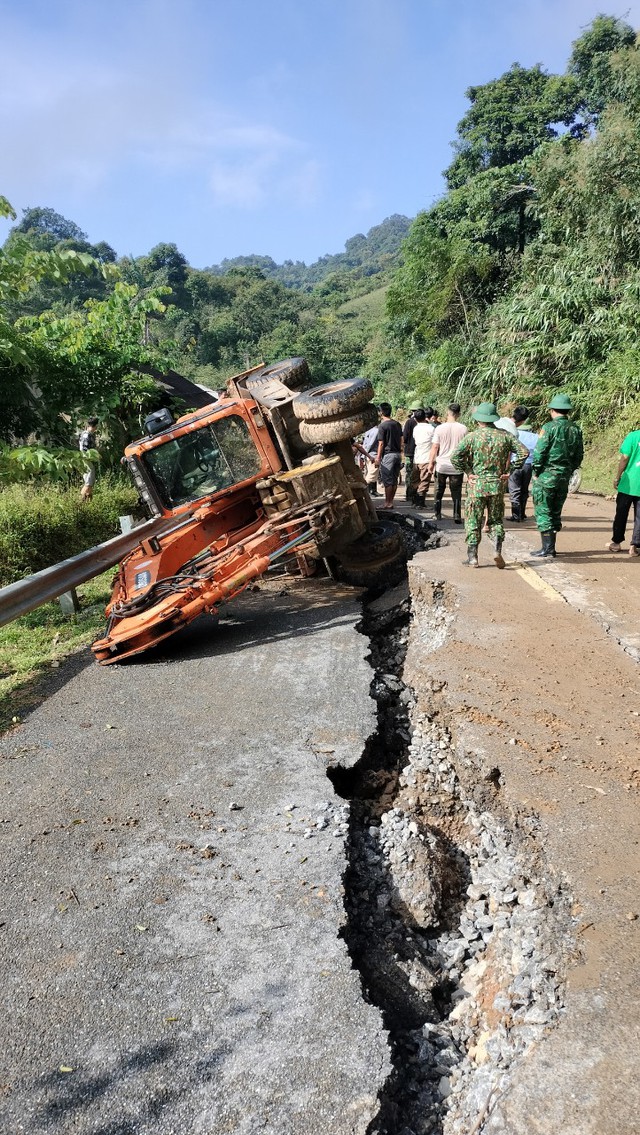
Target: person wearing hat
(485, 456)
(557, 455)
(409, 446)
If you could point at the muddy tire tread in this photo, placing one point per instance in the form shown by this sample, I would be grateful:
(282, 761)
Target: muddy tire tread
(339, 429)
(292, 373)
(333, 400)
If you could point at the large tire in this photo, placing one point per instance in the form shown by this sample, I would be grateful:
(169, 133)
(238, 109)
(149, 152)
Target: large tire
(386, 572)
(330, 401)
(268, 390)
(338, 429)
(382, 540)
(292, 373)
(575, 481)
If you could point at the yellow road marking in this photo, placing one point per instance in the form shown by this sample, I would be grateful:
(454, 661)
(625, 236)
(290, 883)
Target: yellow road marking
(538, 583)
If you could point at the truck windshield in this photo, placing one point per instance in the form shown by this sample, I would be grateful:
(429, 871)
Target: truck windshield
(219, 454)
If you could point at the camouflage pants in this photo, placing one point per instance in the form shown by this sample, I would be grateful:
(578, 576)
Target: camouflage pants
(474, 510)
(548, 499)
(410, 491)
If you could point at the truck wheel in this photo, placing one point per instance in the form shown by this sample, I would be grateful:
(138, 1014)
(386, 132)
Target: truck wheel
(386, 572)
(339, 429)
(268, 390)
(333, 399)
(383, 539)
(292, 373)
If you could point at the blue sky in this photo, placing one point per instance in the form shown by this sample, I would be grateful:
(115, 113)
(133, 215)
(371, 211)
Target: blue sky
(279, 127)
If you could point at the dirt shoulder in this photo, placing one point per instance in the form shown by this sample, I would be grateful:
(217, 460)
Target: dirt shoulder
(542, 693)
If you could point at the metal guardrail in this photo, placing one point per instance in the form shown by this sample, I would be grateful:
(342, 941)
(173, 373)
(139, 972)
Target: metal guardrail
(27, 594)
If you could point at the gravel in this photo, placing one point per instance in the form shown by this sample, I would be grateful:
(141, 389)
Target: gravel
(457, 930)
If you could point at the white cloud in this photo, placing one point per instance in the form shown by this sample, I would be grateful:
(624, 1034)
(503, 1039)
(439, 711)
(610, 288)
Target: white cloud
(67, 123)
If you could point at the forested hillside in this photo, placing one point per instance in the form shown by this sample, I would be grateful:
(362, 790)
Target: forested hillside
(525, 276)
(364, 256)
(82, 325)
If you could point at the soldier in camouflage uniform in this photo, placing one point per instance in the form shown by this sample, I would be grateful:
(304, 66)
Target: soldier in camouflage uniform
(557, 455)
(485, 455)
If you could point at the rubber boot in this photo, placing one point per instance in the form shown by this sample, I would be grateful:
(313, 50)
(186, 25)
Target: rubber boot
(553, 544)
(457, 513)
(497, 559)
(547, 551)
(472, 555)
(420, 499)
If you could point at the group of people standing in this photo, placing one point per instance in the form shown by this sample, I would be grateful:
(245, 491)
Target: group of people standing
(501, 452)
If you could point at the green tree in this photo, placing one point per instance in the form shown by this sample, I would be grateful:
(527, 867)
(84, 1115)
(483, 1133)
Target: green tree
(592, 63)
(509, 118)
(46, 222)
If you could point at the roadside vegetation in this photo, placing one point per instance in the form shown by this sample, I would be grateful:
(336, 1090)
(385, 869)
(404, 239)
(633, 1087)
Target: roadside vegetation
(525, 277)
(41, 524)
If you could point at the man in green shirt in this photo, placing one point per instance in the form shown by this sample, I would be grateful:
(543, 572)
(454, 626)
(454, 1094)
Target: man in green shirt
(557, 455)
(627, 483)
(485, 456)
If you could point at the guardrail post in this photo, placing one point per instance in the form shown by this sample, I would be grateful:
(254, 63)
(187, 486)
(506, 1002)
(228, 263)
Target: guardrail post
(126, 523)
(69, 602)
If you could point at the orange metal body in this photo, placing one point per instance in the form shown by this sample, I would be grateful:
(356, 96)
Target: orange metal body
(227, 534)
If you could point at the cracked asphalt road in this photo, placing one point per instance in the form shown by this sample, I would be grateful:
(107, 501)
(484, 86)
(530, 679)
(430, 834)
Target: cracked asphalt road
(173, 966)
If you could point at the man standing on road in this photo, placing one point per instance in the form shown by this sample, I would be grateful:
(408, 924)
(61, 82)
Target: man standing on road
(558, 453)
(447, 436)
(389, 456)
(88, 440)
(627, 486)
(485, 456)
(422, 438)
(520, 479)
(370, 447)
(409, 447)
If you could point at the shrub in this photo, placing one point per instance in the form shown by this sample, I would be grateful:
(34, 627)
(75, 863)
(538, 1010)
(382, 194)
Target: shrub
(41, 525)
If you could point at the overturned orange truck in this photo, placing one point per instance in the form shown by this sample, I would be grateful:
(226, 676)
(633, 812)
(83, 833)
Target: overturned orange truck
(263, 475)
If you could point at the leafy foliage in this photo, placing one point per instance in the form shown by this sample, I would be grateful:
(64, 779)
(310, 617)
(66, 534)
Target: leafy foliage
(509, 118)
(526, 276)
(592, 61)
(27, 462)
(42, 524)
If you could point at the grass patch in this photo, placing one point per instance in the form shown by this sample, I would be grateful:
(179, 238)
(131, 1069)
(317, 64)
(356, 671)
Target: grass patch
(369, 308)
(41, 524)
(31, 647)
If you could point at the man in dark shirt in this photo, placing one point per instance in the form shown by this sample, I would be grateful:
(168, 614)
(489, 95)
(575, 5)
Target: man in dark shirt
(389, 455)
(409, 450)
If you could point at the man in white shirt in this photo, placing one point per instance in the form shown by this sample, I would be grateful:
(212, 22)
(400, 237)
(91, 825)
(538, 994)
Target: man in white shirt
(422, 437)
(370, 446)
(446, 438)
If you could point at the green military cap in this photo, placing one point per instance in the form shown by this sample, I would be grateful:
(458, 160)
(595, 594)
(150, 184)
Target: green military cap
(561, 402)
(485, 412)
(416, 406)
